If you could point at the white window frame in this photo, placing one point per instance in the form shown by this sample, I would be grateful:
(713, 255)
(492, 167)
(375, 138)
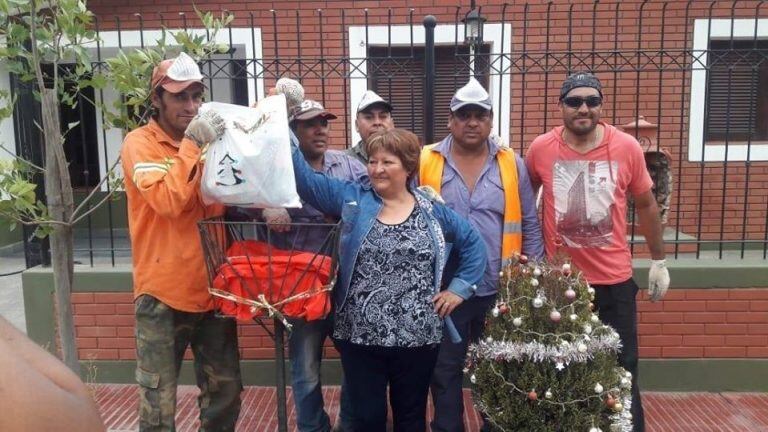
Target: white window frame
(704, 31)
(7, 128)
(445, 34)
(133, 38)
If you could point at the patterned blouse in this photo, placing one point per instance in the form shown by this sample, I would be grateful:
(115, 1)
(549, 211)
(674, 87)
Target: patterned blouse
(390, 295)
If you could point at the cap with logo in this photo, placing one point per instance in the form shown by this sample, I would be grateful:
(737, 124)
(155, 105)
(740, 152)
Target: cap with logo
(580, 79)
(471, 94)
(176, 74)
(308, 110)
(369, 99)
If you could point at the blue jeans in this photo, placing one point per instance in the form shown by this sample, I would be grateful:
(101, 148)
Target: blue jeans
(306, 351)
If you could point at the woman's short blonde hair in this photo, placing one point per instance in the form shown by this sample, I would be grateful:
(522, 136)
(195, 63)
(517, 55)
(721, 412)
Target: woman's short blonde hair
(401, 143)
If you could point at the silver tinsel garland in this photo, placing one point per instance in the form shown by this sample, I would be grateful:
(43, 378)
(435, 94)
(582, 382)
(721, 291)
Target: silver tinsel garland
(620, 422)
(539, 352)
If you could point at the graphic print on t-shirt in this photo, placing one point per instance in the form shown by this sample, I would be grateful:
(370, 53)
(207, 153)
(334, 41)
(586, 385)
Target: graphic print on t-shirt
(584, 201)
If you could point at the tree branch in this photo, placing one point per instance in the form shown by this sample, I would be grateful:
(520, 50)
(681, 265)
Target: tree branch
(109, 195)
(93, 191)
(21, 159)
(33, 221)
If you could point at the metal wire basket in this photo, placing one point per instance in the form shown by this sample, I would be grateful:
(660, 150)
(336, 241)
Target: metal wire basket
(256, 272)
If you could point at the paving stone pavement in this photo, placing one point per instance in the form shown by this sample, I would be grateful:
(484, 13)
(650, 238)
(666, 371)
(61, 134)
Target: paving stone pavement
(665, 412)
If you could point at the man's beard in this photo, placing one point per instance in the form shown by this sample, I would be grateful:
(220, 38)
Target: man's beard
(582, 131)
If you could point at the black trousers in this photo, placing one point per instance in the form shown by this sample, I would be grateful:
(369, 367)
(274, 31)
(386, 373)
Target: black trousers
(447, 394)
(617, 307)
(369, 369)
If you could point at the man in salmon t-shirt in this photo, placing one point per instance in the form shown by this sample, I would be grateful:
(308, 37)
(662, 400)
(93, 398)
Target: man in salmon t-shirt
(587, 169)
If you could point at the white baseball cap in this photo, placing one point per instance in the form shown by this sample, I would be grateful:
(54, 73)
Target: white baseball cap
(176, 74)
(471, 94)
(371, 98)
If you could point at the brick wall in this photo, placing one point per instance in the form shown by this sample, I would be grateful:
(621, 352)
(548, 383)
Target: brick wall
(104, 328)
(705, 323)
(689, 323)
(659, 91)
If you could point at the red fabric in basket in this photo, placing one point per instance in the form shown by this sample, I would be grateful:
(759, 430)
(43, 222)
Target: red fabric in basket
(254, 268)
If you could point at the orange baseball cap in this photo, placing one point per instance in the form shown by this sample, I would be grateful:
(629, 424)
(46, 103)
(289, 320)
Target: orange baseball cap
(176, 74)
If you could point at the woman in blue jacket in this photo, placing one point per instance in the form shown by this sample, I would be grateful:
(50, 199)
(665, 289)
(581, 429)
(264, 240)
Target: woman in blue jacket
(389, 306)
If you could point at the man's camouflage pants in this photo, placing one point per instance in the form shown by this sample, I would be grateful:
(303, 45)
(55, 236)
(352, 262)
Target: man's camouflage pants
(162, 337)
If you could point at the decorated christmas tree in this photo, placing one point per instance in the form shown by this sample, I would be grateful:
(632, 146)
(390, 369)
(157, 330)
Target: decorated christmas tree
(547, 362)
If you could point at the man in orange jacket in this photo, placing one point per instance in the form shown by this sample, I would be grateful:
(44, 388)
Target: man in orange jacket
(162, 166)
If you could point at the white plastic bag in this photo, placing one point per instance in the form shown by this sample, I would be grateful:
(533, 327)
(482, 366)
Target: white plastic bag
(250, 165)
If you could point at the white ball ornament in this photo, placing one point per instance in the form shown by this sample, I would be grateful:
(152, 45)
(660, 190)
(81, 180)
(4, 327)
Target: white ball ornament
(626, 383)
(595, 429)
(591, 290)
(538, 302)
(534, 282)
(537, 272)
(573, 317)
(548, 394)
(587, 329)
(618, 407)
(594, 319)
(628, 374)
(489, 339)
(473, 379)
(598, 388)
(566, 267)
(495, 312)
(517, 322)
(581, 348)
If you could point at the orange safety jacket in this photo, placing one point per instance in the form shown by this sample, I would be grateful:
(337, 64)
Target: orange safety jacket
(255, 269)
(431, 167)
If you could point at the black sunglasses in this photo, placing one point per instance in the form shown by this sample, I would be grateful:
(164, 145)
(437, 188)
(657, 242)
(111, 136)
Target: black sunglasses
(576, 101)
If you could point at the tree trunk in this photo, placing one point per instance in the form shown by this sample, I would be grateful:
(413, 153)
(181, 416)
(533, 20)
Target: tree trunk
(58, 189)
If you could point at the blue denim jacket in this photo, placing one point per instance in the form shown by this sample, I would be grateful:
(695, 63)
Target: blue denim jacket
(358, 206)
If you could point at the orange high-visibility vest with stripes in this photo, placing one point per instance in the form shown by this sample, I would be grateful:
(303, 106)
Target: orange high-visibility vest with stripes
(431, 174)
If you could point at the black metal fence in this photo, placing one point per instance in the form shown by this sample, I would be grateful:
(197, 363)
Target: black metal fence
(695, 70)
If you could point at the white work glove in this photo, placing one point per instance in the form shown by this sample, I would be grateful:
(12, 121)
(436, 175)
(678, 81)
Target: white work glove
(205, 128)
(277, 219)
(293, 91)
(658, 279)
